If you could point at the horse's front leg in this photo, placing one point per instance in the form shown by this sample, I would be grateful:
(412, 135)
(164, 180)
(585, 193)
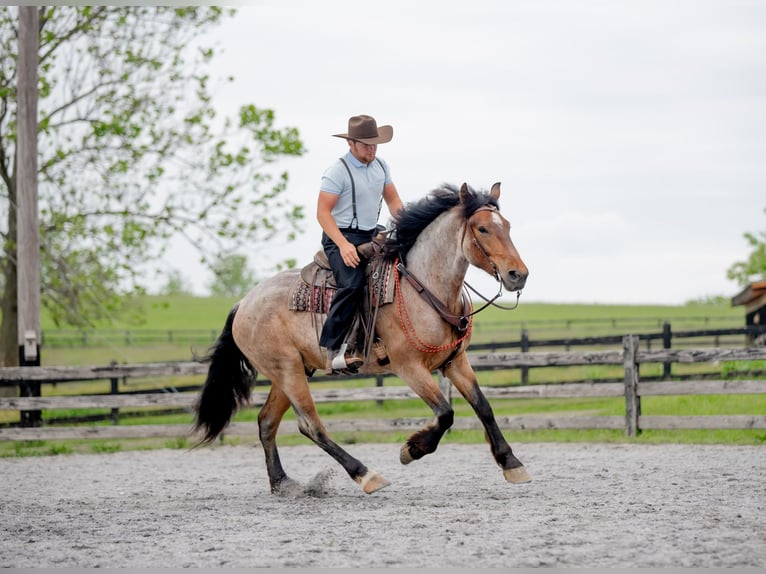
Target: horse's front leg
(426, 440)
(463, 377)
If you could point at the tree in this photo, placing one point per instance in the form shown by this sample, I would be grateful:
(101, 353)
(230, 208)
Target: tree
(175, 284)
(232, 278)
(754, 267)
(131, 152)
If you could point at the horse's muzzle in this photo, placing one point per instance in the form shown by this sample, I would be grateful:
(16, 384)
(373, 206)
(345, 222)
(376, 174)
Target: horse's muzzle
(514, 280)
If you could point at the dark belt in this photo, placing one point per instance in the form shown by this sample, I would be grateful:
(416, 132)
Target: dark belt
(356, 230)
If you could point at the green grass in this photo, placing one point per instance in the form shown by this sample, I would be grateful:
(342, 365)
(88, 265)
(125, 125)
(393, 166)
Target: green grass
(169, 312)
(12, 449)
(583, 311)
(541, 320)
(414, 408)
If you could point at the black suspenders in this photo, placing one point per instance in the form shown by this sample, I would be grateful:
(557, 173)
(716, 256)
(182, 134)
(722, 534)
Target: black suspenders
(354, 220)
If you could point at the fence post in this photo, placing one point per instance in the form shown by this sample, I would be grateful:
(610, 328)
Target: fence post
(115, 389)
(445, 386)
(379, 383)
(30, 389)
(524, 349)
(632, 400)
(667, 337)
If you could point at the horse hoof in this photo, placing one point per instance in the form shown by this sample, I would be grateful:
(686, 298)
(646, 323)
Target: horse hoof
(518, 475)
(404, 454)
(372, 482)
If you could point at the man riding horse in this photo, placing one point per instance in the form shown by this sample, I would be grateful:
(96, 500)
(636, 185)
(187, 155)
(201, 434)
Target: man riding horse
(350, 196)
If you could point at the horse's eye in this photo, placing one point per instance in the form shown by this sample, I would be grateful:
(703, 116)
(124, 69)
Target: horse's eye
(483, 230)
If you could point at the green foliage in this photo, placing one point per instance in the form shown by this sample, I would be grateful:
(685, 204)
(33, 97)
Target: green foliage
(175, 284)
(754, 267)
(232, 278)
(132, 152)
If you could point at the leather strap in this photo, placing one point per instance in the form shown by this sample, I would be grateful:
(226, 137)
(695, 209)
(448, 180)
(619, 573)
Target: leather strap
(459, 322)
(354, 220)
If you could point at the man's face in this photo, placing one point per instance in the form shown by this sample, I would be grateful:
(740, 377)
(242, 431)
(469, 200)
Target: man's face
(362, 151)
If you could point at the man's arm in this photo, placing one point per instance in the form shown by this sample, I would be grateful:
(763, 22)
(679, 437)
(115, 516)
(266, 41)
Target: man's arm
(393, 201)
(325, 204)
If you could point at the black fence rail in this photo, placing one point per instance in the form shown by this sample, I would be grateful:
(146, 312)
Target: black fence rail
(546, 328)
(713, 338)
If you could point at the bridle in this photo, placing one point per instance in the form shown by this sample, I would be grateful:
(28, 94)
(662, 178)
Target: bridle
(495, 273)
(463, 323)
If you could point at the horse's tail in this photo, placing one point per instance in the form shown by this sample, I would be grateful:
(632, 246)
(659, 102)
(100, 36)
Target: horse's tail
(228, 384)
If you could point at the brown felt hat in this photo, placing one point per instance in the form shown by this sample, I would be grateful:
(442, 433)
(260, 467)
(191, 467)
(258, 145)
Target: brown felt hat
(365, 129)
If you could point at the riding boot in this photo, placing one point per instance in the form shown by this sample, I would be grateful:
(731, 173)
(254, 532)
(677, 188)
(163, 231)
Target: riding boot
(338, 362)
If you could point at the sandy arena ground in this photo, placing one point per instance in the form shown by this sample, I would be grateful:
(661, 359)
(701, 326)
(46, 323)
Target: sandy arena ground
(587, 505)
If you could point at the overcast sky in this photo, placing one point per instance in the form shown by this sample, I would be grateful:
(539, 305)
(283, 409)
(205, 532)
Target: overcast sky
(629, 136)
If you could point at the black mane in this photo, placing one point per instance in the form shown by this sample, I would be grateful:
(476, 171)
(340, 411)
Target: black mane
(416, 216)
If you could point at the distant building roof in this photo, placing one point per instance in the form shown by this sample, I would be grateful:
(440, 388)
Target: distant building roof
(753, 297)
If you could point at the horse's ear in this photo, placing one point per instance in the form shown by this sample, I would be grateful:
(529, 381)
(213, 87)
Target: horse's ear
(495, 191)
(464, 193)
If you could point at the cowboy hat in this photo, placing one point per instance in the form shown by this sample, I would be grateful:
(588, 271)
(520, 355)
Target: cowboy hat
(365, 129)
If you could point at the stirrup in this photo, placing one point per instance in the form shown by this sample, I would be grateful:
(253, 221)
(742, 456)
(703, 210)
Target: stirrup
(342, 364)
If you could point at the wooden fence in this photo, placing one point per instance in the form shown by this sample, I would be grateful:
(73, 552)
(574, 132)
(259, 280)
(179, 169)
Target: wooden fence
(632, 389)
(542, 333)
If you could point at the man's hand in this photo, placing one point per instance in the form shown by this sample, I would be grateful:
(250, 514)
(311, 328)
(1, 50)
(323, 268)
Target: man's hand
(349, 254)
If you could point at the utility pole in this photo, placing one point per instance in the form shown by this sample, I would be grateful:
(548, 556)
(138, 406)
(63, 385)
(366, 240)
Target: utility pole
(28, 242)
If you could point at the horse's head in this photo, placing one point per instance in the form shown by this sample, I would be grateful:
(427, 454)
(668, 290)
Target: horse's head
(487, 243)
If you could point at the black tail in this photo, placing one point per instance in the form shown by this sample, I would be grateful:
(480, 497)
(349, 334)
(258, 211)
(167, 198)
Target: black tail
(227, 387)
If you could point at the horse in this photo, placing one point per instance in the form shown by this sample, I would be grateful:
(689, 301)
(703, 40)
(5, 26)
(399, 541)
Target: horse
(433, 240)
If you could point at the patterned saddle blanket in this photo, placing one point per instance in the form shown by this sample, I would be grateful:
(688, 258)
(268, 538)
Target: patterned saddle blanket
(314, 290)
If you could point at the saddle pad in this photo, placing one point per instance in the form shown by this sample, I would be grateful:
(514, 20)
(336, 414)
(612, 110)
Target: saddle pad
(310, 298)
(382, 282)
(317, 298)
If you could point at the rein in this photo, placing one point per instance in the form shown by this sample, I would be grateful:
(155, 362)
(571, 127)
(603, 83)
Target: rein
(463, 324)
(492, 301)
(459, 322)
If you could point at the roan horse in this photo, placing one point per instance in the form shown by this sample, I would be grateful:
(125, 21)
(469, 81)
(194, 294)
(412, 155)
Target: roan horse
(435, 240)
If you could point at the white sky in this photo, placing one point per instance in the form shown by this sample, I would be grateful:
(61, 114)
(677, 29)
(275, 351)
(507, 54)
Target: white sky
(629, 136)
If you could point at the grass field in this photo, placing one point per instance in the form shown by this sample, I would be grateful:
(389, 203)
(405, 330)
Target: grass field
(188, 312)
(540, 320)
(206, 317)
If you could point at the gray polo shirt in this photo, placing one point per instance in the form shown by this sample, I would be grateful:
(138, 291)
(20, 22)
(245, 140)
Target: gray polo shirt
(369, 181)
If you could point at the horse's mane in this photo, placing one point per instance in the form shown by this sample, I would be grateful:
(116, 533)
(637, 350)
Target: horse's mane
(414, 217)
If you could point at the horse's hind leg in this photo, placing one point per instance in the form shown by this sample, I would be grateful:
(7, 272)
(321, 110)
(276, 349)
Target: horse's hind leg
(463, 377)
(296, 389)
(269, 417)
